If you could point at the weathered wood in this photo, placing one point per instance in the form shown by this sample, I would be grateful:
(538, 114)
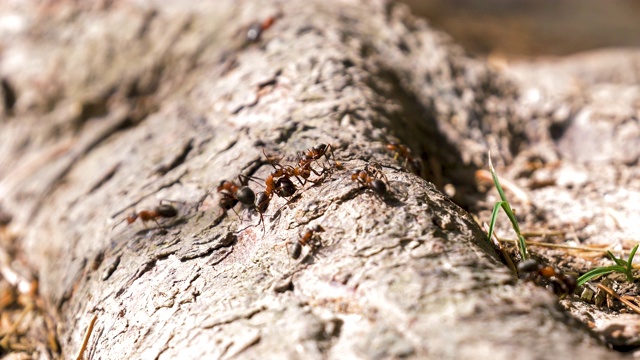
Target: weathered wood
(119, 108)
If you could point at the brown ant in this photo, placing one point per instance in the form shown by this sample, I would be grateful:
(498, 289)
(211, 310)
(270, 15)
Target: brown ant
(255, 30)
(561, 284)
(288, 172)
(306, 158)
(305, 240)
(403, 151)
(279, 181)
(160, 211)
(317, 152)
(371, 177)
(302, 172)
(232, 194)
(283, 187)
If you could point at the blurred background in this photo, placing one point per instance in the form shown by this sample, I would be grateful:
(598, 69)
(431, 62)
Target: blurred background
(530, 28)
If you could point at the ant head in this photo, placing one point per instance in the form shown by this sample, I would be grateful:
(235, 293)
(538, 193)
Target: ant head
(246, 196)
(262, 202)
(132, 218)
(223, 185)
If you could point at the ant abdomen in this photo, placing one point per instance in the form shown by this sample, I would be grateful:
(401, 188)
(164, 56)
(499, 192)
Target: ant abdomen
(285, 187)
(379, 186)
(245, 195)
(167, 211)
(296, 250)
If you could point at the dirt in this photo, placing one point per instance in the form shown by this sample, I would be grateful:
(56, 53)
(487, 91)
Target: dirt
(578, 172)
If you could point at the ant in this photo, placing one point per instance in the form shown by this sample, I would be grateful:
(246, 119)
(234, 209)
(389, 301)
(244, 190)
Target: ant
(317, 152)
(160, 211)
(283, 187)
(371, 177)
(232, 194)
(304, 240)
(279, 181)
(554, 279)
(255, 30)
(404, 151)
(306, 158)
(286, 172)
(304, 169)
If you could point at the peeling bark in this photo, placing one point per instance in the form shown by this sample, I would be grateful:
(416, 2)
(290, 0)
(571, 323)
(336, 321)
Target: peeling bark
(119, 108)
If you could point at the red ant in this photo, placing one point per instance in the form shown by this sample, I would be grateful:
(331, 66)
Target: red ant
(160, 211)
(283, 187)
(554, 279)
(371, 177)
(279, 181)
(404, 151)
(255, 30)
(315, 153)
(287, 172)
(232, 194)
(304, 240)
(305, 159)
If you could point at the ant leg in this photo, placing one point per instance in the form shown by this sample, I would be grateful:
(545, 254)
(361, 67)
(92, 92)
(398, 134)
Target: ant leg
(289, 201)
(244, 180)
(272, 159)
(202, 199)
(286, 246)
(262, 221)
(118, 223)
(302, 182)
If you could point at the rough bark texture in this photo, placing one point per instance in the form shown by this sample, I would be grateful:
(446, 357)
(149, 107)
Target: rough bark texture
(125, 105)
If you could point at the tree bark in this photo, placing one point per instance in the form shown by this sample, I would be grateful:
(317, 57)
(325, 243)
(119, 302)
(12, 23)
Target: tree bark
(119, 107)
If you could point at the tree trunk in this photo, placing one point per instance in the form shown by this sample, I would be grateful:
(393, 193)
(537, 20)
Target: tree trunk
(115, 108)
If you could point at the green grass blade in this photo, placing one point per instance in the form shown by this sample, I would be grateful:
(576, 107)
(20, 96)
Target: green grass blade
(494, 216)
(596, 272)
(512, 217)
(633, 253)
(522, 245)
(629, 270)
(618, 262)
